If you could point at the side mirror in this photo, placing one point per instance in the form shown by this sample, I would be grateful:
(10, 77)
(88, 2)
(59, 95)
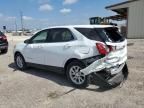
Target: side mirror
(27, 41)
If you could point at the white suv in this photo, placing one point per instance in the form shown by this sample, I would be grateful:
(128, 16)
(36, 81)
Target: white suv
(80, 51)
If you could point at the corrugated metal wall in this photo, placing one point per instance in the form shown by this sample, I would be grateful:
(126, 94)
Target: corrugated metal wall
(136, 19)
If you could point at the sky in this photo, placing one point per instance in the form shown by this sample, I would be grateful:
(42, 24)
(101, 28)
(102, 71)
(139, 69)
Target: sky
(43, 13)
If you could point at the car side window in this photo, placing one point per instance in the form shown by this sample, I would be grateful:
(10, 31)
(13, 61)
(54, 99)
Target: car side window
(60, 35)
(91, 33)
(40, 37)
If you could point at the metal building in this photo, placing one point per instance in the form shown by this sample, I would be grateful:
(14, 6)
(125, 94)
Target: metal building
(133, 12)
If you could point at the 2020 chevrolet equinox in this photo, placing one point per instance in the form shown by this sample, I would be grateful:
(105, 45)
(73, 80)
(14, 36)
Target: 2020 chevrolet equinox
(80, 51)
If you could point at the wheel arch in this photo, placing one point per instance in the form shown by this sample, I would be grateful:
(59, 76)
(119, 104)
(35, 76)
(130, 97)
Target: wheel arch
(71, 60)
(24, 63)
(18, 52)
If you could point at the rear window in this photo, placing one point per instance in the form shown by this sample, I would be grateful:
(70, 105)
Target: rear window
(114, 35)
(101, 34)
(1, 34)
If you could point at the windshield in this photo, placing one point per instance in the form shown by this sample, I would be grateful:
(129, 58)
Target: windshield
(102, 34)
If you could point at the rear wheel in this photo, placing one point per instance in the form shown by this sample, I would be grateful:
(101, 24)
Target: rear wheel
(77, 78)
(20, 62)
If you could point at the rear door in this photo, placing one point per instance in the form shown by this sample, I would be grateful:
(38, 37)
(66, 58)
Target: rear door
(118, 44)
(58, 47)
(119, 52)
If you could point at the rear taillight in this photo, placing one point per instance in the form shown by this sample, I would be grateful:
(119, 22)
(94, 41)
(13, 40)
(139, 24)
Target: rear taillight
(103, 49)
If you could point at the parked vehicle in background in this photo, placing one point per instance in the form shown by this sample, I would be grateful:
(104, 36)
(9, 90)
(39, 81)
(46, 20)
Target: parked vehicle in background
(27, 33)
(3, 43)
(80, 51)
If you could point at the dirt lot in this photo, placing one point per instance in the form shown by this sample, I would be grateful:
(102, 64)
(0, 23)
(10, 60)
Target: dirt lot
(36, 88)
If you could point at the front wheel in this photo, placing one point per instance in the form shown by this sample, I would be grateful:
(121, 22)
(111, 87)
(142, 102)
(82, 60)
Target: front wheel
(20, 62)
(77, 78)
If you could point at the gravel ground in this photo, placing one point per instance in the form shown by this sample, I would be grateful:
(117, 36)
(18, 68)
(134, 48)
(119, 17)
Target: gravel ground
(36, 88)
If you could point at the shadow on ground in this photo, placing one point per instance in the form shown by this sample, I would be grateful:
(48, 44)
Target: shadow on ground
(62, 80)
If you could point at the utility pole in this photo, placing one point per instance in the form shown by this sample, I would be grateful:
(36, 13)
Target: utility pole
(15, 25)
(21, 15)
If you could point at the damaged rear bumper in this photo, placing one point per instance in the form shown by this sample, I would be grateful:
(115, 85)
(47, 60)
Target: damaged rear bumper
(112, 72)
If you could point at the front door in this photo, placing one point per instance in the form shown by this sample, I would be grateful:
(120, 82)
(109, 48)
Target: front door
(33, 51)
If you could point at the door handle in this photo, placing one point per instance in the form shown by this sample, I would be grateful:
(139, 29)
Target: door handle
(67, 46)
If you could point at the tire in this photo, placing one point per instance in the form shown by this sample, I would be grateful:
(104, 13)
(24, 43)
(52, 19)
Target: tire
(4, 51)
(76, 78)
(20, 62)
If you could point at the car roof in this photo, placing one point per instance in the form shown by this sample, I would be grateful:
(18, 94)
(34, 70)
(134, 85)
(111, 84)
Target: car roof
(81, 26)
